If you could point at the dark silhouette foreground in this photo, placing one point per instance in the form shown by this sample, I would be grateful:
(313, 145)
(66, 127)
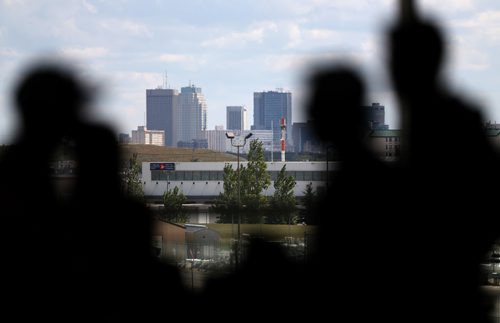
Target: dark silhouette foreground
(82, 254)
(398, 241)
(411, 233)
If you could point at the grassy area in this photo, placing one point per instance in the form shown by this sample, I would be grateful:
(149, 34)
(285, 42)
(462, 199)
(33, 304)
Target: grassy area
(151, 153)
(271, 232)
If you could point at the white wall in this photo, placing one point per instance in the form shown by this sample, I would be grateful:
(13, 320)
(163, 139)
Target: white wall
(213, 188)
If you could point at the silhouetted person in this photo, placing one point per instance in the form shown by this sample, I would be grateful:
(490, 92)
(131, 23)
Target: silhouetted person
(355, 247)
(447, 159)
(88, 255)
(32, 234)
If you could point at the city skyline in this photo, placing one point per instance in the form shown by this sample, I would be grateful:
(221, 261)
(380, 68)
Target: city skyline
(126, 47)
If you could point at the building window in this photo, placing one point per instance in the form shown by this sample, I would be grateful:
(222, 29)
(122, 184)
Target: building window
(213, 176)
(307, 176)
(179, 176)
(188, 175)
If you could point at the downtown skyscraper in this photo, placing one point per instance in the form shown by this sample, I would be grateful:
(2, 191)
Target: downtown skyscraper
(236, 118)
(182, 116)
(192, 115)
(162, 108)
(268, 109)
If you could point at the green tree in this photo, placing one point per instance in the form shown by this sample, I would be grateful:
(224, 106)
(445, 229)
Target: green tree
(283, 201)
(227, 201)
(255, 177)
(310, 203)
(131, 178)
(172, 206)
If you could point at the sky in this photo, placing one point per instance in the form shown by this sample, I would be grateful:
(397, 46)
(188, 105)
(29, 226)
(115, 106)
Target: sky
(232, 49)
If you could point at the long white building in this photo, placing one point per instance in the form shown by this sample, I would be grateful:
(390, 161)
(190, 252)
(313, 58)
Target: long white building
(204, 180)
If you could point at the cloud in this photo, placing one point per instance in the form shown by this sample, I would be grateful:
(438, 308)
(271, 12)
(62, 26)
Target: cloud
(466, 56)
(130, 27)
(297, 62)
(298, 37)
(89, 7)
(476, 41)
(294, 36)
(486, 23)
(323, 34)
(255, 34)
(8, 52)
(301, 7)
(12, 3)
(84, 53)
(448, 5)
(175, 58)
(124, 81)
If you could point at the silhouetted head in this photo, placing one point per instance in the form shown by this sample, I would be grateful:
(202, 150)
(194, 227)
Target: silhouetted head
(50, 98)
(337, 94)
(97, 154)
(416, 53)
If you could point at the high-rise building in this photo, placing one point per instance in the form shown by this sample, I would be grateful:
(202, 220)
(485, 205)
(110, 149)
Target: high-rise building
(268, 109)
(148, 137)
(192, 115)
(162, 106)
(375, 115)
(236, 118)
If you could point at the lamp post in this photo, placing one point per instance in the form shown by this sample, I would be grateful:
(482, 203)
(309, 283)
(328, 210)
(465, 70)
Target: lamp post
(238, 142)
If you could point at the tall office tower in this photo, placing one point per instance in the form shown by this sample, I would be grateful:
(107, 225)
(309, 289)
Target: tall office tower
(375, 115)
(162, 107)
(236, 118)
(192, 115)
(268, 109)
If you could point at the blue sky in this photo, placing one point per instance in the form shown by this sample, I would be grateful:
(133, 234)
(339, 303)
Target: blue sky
(233, 48)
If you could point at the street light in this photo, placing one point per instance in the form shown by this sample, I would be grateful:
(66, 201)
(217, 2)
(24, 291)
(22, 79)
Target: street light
(238, 142)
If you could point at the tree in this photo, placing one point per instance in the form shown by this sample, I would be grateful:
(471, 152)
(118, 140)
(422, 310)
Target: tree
(131, 178)
(254, 180)
(283, 200)
(227, 201)
(310, 203)
(172, 205)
